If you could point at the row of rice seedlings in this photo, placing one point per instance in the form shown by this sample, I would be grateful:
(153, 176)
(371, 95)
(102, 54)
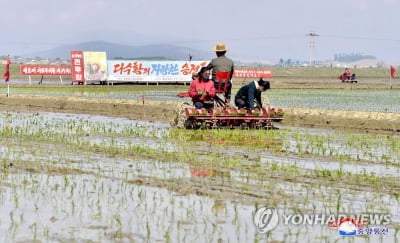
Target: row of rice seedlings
(271, 140)
(337, 99)
(111, 145)
(216, 160)
(346, 147)
(115, 148)
(291, 172)
(359, 100)
(305, 143)
(66, 183)
(126, 92)
(329, 200)
(191, 158)
(83, 204)
(334, 176)
(75, 125)
(226, 162)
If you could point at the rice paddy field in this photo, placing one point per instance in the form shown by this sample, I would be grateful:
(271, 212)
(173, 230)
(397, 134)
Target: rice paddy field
(374, 100)
(73, 177)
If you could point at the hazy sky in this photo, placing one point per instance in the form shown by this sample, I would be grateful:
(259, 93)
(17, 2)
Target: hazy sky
(264, 29)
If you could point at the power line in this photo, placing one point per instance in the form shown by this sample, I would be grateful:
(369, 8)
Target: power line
(360, 38)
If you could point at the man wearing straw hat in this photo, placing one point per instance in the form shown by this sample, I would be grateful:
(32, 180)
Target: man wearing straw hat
(221, 63)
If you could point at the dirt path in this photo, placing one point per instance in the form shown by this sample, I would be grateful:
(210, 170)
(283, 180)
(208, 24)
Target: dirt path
(164, 111)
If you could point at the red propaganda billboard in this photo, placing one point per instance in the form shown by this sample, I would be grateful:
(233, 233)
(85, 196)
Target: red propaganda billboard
(77, 66)
(44, 70)
(251, 73)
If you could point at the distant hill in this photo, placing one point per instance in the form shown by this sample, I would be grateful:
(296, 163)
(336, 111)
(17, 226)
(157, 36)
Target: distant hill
(113, 50)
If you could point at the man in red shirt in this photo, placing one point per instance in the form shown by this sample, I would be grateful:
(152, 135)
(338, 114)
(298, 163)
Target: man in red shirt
(202, 90)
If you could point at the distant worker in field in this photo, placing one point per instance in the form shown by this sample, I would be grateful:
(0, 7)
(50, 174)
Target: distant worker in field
(202, 90)
(346, 75)
(248, 93)
(221, 64)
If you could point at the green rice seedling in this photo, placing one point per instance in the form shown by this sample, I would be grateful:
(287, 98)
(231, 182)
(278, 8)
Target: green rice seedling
(396, 196)
(33, 228)
(338, 201)
(396, 233)
(167, 236)
(340, 173)
(148, 230)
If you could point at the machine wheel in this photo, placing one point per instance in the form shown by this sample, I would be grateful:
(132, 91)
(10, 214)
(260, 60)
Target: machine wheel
(215, 125)
(244, 125)
(258, 125)
(190, 124)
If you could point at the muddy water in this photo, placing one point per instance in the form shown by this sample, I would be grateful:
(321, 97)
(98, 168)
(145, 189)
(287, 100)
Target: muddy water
(86, 178)
(91, 208)
(88, 208)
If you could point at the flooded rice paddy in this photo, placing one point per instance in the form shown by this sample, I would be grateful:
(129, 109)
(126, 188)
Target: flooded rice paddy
(376, 100)
(69, 177)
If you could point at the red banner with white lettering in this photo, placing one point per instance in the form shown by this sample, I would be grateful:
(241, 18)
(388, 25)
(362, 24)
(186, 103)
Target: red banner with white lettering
(45, 70)
(251, 73)
(77, 66)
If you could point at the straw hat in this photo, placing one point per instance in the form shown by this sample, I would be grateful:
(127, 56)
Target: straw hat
(220, 47)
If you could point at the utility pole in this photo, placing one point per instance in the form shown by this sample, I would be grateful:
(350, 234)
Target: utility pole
(312, 45)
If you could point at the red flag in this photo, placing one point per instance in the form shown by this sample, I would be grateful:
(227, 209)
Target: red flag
(7, 73)
(392, 71)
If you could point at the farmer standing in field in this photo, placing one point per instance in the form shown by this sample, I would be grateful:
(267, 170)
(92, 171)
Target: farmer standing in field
(223, 64)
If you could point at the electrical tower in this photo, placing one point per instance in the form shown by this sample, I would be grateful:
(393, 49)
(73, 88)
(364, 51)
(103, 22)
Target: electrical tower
(312, 45)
